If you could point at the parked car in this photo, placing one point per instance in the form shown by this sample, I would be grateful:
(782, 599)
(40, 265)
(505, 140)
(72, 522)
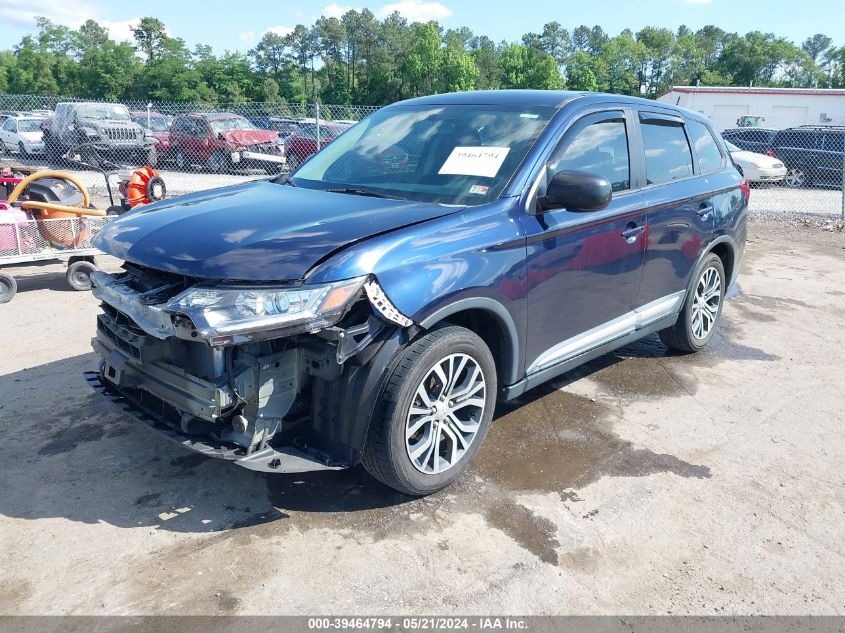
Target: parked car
(158, 125)
(221, 141)
(96, 131)
(22, 134)
(303, 143)
(454, 250)
(751, 139)
(813, 155)
(757, 168)
(284, 126)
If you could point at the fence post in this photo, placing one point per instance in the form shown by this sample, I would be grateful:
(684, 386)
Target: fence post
(843, 183)
(317, 118)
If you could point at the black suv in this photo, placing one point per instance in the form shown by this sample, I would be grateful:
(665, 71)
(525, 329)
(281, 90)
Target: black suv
(812, 154)
(755, 139)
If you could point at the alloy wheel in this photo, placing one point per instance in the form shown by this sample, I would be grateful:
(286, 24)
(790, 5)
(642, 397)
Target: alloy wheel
(445, 414)
(705, 305)
(795, 177)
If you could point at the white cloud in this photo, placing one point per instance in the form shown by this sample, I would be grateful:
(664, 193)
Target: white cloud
(416, 10)
(336, 11)
(24, 12)
(120, 30)
(280, 30)
(248, 37)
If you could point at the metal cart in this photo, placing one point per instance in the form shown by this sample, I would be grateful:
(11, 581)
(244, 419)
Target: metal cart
(28, 241)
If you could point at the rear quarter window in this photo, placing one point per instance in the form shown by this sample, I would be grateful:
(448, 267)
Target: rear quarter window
(706, 149)
(796, 138)
(834, 141)
(667, 152)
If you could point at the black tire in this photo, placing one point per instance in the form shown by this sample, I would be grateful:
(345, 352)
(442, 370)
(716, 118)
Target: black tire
(88, 156)
(182, 162)
(152, 158)
(22, 150)
(681, 336)
(797, 177)
(218, 163)
(79, 274)
(386, 455)
(8, 287)
(54, 154)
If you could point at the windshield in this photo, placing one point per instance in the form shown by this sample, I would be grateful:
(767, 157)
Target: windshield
(231, 124)
(731, 147)
(156, 123)
(108, 111)
(29, 125)
(456, 154)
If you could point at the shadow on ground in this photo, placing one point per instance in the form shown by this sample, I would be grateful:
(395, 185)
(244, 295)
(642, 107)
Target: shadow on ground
(67, 453)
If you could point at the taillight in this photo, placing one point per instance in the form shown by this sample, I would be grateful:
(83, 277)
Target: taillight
(770, 152)
(745, 188)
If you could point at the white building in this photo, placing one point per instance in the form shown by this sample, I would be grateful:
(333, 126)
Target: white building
(781, 107)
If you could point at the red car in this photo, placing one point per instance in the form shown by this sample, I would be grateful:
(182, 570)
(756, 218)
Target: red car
(222, 141)
(303, 143)
(158, 125)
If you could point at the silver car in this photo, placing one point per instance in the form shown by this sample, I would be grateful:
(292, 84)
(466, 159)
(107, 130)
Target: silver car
(22, 134)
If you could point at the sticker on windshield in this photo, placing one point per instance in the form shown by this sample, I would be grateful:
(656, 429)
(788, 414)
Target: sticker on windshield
(479, 190)
(475, 161)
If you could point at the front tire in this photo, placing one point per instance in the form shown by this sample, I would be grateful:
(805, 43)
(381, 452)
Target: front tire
(218, 163)
(702, 308)
(434, 412)
(796, 177)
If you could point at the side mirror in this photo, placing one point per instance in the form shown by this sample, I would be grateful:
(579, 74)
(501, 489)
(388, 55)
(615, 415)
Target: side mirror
(576, 191)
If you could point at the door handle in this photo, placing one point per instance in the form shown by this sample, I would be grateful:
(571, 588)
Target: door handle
(632, 232)
(704, 210)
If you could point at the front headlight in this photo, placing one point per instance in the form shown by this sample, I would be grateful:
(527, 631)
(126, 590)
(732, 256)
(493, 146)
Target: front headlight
(232, 314)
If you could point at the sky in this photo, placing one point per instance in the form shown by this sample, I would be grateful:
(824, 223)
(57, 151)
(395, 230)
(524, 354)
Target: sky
(227, 25)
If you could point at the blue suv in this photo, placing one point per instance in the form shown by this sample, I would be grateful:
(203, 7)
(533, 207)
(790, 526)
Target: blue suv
(444, 253)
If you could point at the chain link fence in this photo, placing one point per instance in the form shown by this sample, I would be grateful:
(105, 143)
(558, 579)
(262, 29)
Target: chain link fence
(796, 169)
(194, 146)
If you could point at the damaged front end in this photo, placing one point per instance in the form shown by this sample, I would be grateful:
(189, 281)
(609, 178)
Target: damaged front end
(278, 379)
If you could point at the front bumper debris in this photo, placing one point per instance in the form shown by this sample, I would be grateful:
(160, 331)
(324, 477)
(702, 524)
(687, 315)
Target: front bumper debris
(285, 459)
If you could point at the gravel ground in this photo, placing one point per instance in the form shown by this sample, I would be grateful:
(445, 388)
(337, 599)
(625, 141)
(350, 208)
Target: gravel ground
(643, 483)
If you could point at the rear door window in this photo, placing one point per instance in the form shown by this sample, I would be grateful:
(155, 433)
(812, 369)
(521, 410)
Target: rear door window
(706, 149)
(667, 151)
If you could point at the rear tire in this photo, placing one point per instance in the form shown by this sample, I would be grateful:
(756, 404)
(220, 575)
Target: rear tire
(426, 432)
(8, 287)
(702, 308)
(79, 274)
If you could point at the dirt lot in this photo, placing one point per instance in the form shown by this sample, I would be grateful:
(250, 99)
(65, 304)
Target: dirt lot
(645, 483)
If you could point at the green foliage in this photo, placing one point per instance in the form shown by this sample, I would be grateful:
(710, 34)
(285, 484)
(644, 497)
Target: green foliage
(359, 58)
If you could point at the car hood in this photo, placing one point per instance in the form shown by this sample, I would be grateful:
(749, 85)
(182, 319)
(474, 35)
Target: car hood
(758, 160)
(243, 138)
(257, 231)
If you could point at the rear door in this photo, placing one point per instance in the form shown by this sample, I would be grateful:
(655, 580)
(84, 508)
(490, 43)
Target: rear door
(680, 200)
(832, 156)
(583, 268)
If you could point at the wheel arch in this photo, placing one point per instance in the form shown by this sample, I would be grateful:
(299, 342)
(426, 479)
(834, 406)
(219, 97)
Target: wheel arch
(490, 320)
(725, 248)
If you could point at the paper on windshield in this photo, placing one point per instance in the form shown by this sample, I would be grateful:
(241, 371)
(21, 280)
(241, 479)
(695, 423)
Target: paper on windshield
(475, 161)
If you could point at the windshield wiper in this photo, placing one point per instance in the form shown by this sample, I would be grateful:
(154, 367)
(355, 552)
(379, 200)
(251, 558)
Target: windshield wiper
(359, 192)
